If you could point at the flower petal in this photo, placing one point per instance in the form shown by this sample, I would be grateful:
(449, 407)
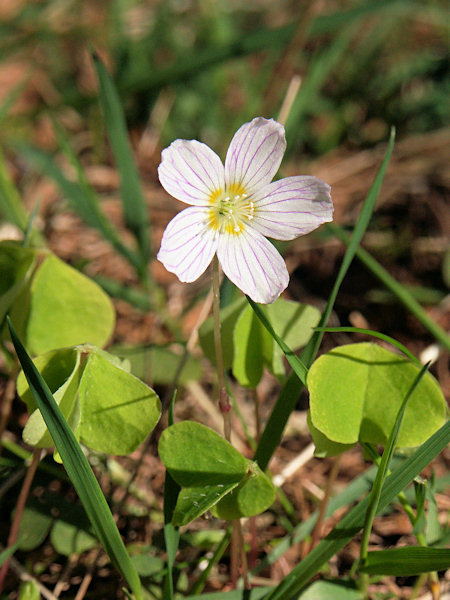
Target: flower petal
(291, 207)
(255, 154)
(190, 171)
(253, 264)
(188, 244)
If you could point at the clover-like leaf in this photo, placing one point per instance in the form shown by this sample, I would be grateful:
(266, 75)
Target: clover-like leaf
(195, 455)
(194, 501)
(210, 471)
(254, 494)
(34, 528)
(228, 318)
(324, 446)
(66, 308)
(294, 323)
(356, 391)
(62, 371)
(118, 410)
(251, 341)
(16, 266)
(108, 409)
(68, 539)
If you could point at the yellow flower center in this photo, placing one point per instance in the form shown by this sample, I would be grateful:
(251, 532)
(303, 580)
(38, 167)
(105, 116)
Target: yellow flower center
(230, 209)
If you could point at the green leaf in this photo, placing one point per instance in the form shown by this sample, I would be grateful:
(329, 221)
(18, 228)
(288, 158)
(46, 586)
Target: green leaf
(158, 365)
(296, 363)
(133, 202)
(11, 205)
(287, 399)
(253, 594)
(411, 560)
(251, 497)
(110, 395)
(330, 590)
(352, 522)
(433, 530)
(78, 470)
(249, 340)
(16, 266)
(208, 468)
(34, 528)
(254, 347)
(92, 389)
(62, 371)
(356, 391)
(228, 318)
(383, 467)
(294, 323)
(29, 590)
(194, 501)
(195, 455)
(69, 539)
(324, 446)
(146, 563)
(66, 309)
(204, 464)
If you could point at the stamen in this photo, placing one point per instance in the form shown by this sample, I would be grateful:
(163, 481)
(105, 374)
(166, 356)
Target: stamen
(231, 212)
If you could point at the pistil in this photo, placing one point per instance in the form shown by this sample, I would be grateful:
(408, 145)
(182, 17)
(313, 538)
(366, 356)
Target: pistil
(230, 212)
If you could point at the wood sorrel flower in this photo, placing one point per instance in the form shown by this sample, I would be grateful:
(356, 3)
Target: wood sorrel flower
(234, 208)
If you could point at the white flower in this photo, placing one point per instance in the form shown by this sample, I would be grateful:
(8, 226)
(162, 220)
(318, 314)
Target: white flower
(234, 207)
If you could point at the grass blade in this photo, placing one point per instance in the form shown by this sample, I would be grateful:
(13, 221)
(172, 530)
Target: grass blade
(351, 524)
(11, 206)
(411, 560)
(273, 431)
(297, 365)
(78, 469)
(133, 202)
(377, 334)
(384, 466)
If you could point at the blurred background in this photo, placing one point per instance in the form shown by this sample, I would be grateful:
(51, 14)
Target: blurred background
(347, 71)
(340, 74)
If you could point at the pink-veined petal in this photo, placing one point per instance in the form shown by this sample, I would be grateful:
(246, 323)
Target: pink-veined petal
(190, 171)
(291, 207)
(255, 154)
(253, 264)
(188, 244)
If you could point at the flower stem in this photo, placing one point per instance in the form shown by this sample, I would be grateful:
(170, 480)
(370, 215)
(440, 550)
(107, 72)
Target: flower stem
(237, 549)
(224, 401)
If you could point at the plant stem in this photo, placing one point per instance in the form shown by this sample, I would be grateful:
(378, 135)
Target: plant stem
(237, 540)
(224, 401)
(244, 563)
(20, 506)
